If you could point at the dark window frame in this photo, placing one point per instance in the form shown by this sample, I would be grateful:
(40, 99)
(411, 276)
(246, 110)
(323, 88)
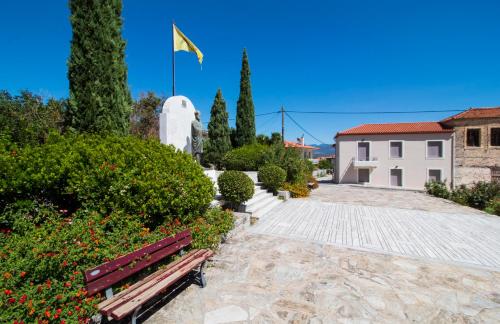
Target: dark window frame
(495, 138)
(470, 141)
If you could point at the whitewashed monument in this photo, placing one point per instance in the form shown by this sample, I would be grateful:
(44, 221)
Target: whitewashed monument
(179, 125)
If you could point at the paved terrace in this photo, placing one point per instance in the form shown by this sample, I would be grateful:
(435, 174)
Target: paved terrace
(462, 238)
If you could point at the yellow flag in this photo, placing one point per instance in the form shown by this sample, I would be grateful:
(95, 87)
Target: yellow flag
(182, 43)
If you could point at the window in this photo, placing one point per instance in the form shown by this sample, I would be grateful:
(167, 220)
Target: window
(363, 175)
(474, 137)
(435, 149)
(363, 151)
(396, 150)
(396, 177)
(495, 136)
(434, 175)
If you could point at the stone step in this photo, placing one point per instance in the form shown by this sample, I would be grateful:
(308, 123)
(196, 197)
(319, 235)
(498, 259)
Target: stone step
(257, 197)
(256, 205)
(262, 212)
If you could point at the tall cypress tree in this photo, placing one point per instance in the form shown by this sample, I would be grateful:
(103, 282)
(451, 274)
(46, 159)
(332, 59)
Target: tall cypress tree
(219, 141)
(245, 114)
(99, 96)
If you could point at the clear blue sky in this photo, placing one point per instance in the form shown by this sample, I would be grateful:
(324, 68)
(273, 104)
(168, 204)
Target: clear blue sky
(307, 55)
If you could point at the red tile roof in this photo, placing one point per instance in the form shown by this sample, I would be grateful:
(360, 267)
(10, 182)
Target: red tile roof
(298, 145)
(396, 128)
(476, 113)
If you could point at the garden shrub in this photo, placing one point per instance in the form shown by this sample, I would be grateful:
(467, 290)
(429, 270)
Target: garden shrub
(481, 193)
(139, 177)
(297, 169)
(325, 164)
(246, 158)
(235, 187)
(272, 176)
(493, 206)
(437, 189)
(42, 266)
(297, 190)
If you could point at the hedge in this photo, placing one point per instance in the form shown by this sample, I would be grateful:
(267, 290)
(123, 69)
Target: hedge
(138, 177)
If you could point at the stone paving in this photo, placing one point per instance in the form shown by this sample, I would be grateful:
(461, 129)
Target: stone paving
(262, 278)
(464, 238)
(358, 195)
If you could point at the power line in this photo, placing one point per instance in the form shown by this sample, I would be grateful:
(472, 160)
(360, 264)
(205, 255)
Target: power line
(371, 112)
(305, 131)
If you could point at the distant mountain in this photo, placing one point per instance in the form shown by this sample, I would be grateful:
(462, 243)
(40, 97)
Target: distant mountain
(324, 149)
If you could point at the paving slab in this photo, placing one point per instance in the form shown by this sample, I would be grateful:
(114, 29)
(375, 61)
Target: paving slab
(472, 239)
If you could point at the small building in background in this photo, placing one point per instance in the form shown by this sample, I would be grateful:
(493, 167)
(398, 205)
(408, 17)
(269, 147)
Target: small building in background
(477, 145)
(397, 155)
(306, 151)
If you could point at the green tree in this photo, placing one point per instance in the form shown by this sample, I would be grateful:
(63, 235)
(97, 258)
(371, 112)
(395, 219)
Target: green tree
(219, 140)
(263, 139)
(99, 96)
(245, 114)
(276, 138)
(144, 121)
(26, 119)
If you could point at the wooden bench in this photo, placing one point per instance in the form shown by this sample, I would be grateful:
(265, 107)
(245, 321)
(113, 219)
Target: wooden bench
(130, 300)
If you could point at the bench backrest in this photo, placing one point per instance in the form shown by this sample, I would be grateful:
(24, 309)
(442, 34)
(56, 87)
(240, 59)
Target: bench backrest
(109, 273)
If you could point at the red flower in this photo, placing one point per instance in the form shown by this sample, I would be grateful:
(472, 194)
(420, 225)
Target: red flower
(65, 263)
(67, 284)
(12, 300)
(58, 311)
(48, 283)
(23, 299)
(63, 322)
(47, 313)
(77, 308)
(23, 274)
(56, 315)
(8, 292)
(59, 297)
(70, 313)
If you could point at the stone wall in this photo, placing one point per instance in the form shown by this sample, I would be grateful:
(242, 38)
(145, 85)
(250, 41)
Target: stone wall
(474, 163)
(469, 175)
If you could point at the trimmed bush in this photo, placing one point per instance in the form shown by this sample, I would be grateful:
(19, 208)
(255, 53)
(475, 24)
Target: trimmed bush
(246, 158)
(272, 176)
(297, 190)
(108, 174)
(235, 187)
(437, 189)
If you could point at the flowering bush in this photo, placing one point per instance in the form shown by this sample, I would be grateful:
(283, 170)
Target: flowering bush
(114, 173)
(42, 266)
(297, 190)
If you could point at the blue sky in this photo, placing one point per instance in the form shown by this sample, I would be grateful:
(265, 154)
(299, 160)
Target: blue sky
(306, 55)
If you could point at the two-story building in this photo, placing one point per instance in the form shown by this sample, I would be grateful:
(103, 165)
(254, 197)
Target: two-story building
(397, 155)
(477, 145)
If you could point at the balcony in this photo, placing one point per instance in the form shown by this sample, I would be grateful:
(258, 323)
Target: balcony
(370, 164)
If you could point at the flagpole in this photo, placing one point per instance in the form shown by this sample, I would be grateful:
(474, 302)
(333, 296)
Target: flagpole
(173, 60)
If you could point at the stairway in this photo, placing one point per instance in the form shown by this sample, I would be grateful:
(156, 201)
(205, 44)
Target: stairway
(261, 202)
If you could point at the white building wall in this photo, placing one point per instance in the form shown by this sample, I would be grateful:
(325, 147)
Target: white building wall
(415, 163)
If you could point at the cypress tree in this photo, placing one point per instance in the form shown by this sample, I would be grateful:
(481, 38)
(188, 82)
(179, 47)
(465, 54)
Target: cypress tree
(100, 100)
(219, 141)
(245, 114)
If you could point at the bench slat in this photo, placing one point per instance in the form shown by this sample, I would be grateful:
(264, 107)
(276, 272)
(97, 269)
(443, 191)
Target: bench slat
(125, 272)
(106, 306)
(109, 267)
(125, 309)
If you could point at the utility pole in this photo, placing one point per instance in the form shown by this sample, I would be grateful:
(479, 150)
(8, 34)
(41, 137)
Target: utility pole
(282, 124)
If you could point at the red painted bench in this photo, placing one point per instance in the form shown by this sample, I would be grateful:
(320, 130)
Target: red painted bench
(130, 300)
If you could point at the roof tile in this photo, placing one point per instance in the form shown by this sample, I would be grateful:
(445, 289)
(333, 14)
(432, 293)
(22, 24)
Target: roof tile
(396, 128)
